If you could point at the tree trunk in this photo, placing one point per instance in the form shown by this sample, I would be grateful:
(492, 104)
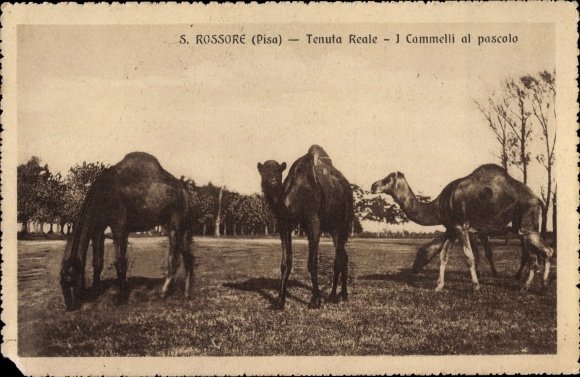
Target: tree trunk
(219, 213)
(266, 230)
(547, 204)
(554, 222)
(204, 229)
(24, 227)
(51, 231)
(235, 226)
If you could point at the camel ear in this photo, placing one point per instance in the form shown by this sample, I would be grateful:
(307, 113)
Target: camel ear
(260, 167)
(282, 167)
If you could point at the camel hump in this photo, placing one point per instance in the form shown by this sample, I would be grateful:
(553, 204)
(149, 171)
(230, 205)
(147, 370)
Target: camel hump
(140, 160)
(319, 155)
(141, 156)
(490, 169)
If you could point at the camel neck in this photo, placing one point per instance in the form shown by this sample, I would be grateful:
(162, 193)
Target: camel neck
(419, 212)
(275, 198)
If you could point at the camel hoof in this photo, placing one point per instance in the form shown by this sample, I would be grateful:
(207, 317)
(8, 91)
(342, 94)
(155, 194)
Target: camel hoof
(476, 288)
(314, 303)
(280, 304)
(524, 289)
(333, 298)
(344, 296)
(439, 288)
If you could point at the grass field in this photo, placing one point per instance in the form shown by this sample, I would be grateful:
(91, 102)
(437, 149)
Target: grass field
(236, 282)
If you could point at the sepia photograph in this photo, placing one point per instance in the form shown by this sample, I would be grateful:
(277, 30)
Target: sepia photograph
(290, 189)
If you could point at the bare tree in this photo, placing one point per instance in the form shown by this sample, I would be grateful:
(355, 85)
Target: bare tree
(543, 99)
(495, 115)
(517, 113)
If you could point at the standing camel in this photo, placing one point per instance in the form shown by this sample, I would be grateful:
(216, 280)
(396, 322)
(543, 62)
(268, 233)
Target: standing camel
(485, 201)
(134, 195)
(319, 198)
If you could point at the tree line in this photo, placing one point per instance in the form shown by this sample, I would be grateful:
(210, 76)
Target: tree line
(44, 197)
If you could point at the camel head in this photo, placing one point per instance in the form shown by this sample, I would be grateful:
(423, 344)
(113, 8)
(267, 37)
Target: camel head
(72, 284)
(271, 173)
(389, 184)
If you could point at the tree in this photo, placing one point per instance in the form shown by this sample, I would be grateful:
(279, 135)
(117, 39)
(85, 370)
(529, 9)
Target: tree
(78, 182)
(495, 116)
(52, 199)
(517, 113)
(358, 195)
(265, 214)
(543, 100)
(379, 210)
(29, 180)
(231, 203)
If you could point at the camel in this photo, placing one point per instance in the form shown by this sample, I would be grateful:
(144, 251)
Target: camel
(316, 196)
(134, 195)
(485, 201)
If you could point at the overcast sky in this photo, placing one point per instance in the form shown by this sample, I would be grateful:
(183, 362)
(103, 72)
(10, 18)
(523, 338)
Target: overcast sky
(211, 113)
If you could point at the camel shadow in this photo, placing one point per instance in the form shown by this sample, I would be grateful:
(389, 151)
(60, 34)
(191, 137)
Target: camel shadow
(134, 283)
(263, 286)
(424, 278)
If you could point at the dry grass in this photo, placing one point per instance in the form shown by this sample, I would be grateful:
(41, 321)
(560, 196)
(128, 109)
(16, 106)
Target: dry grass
(236, 282)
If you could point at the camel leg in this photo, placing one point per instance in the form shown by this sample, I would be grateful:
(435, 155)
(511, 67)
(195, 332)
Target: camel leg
(444, 257)
(488, 253)
(172, 261)
(98, 257)
(313, 240)
(524, 258)
(476, 254)
(286, 265)
(340, 268)
(545, 253)
(463, 235)
(188, 262)
(120, 240)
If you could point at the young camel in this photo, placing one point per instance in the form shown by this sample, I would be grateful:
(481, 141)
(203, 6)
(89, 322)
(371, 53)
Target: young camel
(134, 195)
(485, 201)
(319, 198)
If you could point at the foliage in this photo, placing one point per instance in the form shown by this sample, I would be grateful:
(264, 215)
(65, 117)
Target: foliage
(78, 182)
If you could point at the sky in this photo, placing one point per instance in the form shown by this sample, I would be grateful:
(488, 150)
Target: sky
(212, 112)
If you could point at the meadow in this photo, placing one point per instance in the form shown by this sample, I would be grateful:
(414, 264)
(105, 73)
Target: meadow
(230, 311)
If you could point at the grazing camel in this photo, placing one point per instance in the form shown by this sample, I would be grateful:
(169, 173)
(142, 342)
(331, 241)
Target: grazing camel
(134, 195)
(485, 201)
(319, 198)
(427, 251)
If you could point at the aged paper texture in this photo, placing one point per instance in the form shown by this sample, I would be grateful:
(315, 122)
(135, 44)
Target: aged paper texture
(220, 101)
